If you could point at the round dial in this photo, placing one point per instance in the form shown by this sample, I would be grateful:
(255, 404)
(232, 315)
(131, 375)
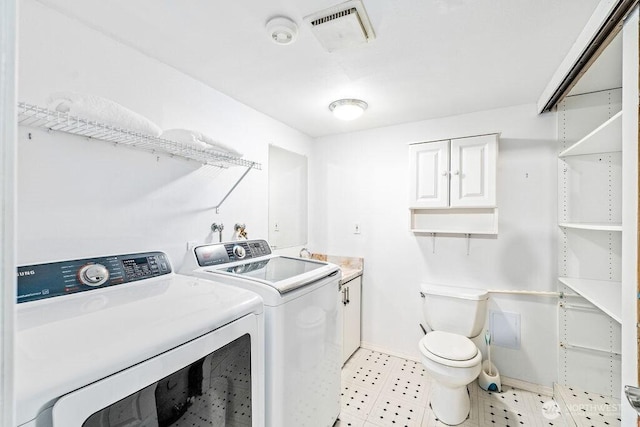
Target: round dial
(239, 252)
(93, 274)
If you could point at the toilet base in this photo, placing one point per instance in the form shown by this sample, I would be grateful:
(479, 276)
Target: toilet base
(450, 405)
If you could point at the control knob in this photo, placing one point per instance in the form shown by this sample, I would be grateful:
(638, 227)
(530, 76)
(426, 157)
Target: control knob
(239, 252)
(93, 274)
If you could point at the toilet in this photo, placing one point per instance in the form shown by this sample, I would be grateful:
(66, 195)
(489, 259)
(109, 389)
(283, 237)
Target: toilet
(450, 358)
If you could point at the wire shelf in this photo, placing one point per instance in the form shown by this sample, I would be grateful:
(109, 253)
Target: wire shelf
(39, 117)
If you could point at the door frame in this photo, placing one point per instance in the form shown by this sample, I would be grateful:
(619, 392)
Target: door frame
(8, 151)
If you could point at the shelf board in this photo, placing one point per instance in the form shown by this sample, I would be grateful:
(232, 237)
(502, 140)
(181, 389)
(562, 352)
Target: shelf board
(597, 226)
(606, 138)
(455, 231)
(605, 295)
(454, 221)
(39, 117)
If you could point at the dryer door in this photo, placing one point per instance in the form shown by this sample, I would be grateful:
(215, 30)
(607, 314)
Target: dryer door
(213, 379)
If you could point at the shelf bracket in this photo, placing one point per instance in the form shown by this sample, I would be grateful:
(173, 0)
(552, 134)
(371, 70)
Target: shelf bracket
(217, 207)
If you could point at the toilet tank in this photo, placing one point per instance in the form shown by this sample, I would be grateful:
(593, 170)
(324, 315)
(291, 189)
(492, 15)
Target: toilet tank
(454, 309)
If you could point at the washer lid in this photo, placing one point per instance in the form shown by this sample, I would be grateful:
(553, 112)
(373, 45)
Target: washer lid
(449, 346)
(282, 273)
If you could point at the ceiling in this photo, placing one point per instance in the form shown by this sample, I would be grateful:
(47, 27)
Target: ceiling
(430, 58)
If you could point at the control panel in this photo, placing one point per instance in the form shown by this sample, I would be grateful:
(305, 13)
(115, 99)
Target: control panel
(54, 279)
(222, 253)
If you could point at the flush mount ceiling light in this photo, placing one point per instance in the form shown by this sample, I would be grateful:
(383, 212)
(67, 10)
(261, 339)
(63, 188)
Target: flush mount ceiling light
(282, 30)
(348, 109)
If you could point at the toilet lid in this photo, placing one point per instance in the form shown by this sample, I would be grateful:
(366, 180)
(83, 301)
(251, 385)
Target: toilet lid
(449, 346)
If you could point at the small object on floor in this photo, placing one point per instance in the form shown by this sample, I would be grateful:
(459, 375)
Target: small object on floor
(489, 378)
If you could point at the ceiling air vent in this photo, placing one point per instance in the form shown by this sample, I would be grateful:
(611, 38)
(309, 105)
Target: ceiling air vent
(342, 26)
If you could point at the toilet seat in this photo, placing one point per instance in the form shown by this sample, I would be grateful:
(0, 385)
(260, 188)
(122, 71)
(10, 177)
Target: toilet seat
(450, 349)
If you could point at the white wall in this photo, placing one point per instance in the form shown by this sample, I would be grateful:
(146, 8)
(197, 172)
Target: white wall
(363, 178)
(78, 198)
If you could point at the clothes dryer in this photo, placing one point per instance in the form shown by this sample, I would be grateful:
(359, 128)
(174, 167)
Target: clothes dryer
(123, 340)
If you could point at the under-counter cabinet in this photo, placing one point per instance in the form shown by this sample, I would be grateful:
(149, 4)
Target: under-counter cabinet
(351, 301)
(453, 185)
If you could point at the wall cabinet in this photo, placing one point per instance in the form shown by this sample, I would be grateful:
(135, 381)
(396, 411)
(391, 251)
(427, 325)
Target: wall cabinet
(453, 185)
(454, 173)
(351, 302)
(429, 172)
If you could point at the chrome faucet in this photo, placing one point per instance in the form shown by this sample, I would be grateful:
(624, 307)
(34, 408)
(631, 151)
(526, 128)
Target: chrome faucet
(304, 253)
(218, 227)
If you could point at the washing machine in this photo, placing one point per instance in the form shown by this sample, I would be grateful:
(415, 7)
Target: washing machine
(124, 341)
(303, 325)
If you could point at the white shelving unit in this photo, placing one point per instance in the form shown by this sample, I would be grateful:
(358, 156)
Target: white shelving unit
(601, 293)
(590, 234)
(606, 138)
(39, 117)
(597, 217)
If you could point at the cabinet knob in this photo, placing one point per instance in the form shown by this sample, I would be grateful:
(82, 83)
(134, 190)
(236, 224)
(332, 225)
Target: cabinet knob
(456, 173)
(445, 173)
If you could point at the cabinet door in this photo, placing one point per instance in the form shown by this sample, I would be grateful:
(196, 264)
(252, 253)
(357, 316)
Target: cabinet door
(351, 330)
(429, 172)
(473, 171)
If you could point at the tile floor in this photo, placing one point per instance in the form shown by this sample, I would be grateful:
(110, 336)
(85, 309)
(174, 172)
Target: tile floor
(589, 409)
(380, 390)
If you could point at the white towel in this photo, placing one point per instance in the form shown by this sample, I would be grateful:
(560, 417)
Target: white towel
(103, 110)
(195, 139)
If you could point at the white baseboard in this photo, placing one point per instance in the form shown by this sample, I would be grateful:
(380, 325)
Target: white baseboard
(527, 386)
